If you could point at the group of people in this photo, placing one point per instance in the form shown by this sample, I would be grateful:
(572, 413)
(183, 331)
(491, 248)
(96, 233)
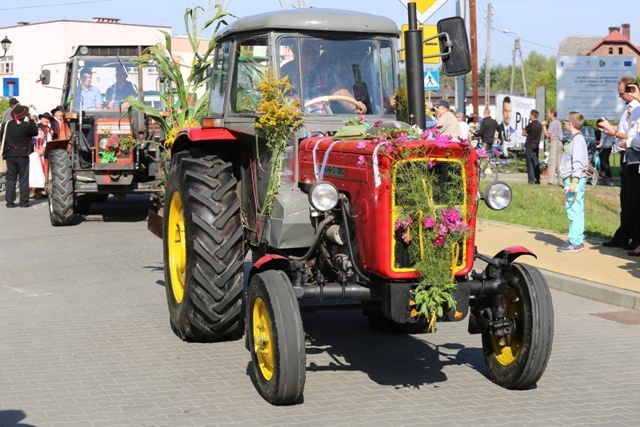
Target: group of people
(24, 138)
(625, 138)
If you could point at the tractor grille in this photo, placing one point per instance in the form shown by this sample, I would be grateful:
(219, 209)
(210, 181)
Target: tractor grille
(447, 182)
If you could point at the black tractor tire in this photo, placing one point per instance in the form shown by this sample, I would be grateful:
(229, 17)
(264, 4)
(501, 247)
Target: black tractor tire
(276, 338)
(520, 363)
(61, 188)
(203, 248)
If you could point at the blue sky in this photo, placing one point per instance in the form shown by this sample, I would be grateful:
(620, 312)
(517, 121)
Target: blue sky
(541, 25)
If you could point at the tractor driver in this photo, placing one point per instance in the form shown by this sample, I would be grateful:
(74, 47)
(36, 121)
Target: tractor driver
(317, 80)
(120, 90)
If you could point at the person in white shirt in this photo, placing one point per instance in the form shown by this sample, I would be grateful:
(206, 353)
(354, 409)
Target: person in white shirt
(628, 92)
(464, 126)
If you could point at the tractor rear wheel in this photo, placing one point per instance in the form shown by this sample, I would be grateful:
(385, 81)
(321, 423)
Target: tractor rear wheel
(275, 337)
(203, 248)
(60, 188)
(519, 361)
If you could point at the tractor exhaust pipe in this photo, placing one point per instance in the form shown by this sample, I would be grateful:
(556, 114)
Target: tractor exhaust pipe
(415, 70)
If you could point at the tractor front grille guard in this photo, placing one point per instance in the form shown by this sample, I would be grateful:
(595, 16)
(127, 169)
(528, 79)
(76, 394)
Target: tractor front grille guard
(445, 189)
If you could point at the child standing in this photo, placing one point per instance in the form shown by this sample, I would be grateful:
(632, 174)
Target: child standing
(572, 171)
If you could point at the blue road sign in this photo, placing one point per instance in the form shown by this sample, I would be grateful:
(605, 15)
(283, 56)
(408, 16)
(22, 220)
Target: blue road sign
(431, 80)
(10, 87)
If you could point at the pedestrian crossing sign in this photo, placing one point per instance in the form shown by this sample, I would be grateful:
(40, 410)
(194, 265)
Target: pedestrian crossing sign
(431, 80)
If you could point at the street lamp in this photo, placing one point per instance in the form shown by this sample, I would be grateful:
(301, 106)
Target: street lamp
(516, 47)
(6, 44)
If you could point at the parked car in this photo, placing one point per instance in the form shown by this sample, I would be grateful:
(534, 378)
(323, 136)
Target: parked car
(589, 133)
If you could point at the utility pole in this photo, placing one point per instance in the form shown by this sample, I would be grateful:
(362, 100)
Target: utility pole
(524, 81)
(513, 65)
(518, 48)
(474, 57)
(487, 63)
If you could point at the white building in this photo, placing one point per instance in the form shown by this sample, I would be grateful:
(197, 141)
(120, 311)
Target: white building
(50, 44)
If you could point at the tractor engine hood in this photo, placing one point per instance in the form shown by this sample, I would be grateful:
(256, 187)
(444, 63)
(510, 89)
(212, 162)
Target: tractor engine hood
(365, 170)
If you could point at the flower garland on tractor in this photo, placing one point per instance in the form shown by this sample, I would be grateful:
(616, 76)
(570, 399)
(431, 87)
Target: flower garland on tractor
(433, 230)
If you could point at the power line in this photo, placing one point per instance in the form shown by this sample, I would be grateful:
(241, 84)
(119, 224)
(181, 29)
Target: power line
(54, 5)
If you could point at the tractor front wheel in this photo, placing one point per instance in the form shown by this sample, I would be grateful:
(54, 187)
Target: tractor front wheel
(60, 188)
(275, 338)
(518, 360)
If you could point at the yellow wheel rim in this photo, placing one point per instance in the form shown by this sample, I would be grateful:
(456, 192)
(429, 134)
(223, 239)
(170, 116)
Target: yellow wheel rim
(262, 339)
(177, 247)
(507, 353)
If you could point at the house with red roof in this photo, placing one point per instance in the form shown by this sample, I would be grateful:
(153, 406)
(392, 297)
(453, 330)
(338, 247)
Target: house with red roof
(617, 43)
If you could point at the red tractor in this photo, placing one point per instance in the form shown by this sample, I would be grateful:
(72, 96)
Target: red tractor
(332, 234)
(102, 149)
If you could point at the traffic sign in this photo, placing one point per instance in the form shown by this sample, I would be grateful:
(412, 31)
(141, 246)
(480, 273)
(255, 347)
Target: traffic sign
(429, 48)
(424, 8)
(431, 80)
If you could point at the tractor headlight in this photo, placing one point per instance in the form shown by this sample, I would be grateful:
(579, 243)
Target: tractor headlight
(323, 196)
(497, 195)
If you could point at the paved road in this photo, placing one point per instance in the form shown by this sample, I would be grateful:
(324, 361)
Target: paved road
(85, 341)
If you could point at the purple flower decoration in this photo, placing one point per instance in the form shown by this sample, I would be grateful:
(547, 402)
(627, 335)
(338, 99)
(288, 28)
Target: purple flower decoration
(451, 216)
(443, 140)
(432, 163)
(429, 222)
(362, 119)
(402, 137)
(377, 123)
(361, 145)
(360, 162)
(481, 152)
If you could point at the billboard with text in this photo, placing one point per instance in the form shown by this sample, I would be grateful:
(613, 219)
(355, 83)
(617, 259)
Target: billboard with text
(589, 84)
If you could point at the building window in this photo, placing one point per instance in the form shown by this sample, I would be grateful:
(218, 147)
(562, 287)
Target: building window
(610, 51)
(619, 51)
(6, 66)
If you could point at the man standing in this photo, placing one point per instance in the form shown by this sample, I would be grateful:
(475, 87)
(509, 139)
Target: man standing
(447, 122)
(17, 133)
(533, 132)
(6, 116)
(553, 131)
(88, 97)
(623, 234)
(464, 126)
(487, 131)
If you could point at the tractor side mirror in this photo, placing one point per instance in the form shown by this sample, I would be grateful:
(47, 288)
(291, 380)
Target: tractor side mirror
(45, 77)
(454, 46)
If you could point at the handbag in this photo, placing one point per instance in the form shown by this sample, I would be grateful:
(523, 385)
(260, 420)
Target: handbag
(3, 162)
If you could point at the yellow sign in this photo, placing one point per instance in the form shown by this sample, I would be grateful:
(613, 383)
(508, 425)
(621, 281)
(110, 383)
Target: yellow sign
(430, 48)
(425, 8)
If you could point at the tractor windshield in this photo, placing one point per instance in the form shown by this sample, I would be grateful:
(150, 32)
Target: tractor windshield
(336, 76)
(105, 83)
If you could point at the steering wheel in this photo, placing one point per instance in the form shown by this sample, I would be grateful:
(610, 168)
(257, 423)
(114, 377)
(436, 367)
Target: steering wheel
(327, 98)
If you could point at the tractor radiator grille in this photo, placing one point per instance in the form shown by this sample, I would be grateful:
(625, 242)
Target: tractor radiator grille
(447, 184)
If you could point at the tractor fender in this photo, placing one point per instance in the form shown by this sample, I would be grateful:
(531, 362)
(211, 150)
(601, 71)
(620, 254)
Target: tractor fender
(270, 262)
(187, 137)
(513, 252)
